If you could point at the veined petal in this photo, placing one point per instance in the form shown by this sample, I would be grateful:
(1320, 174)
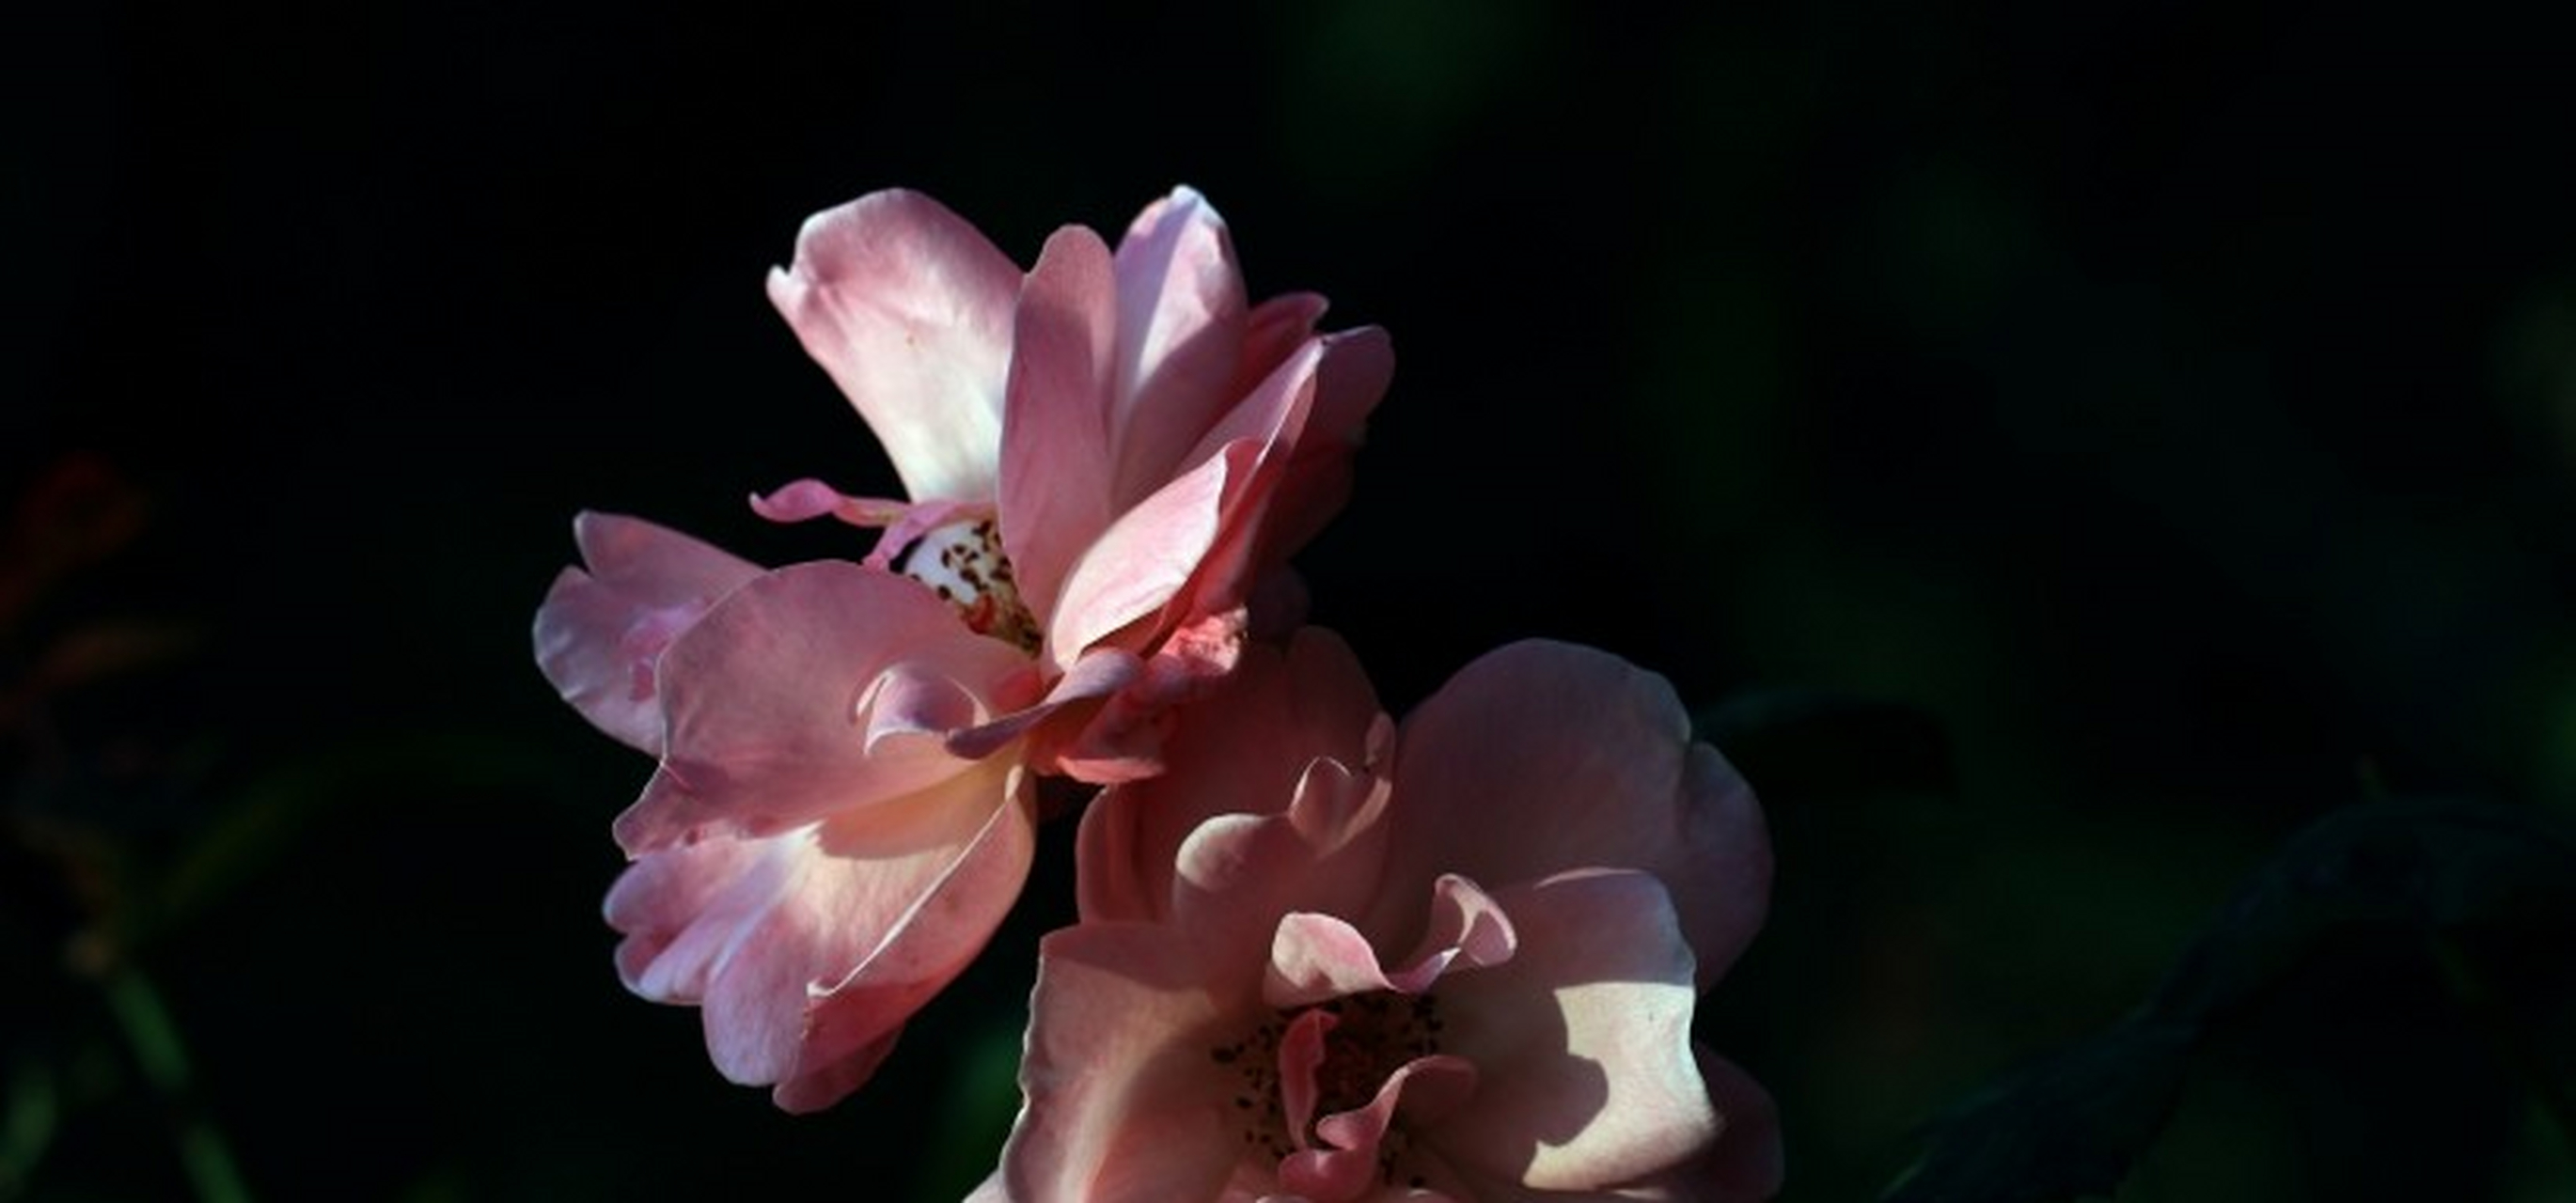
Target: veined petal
(813, 690)
(851, 1023)
(600, 631)
(909, 309)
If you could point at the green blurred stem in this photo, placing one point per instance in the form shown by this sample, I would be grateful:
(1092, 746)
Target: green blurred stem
(154, 1040)
(2503, 1036)
(29, 1128)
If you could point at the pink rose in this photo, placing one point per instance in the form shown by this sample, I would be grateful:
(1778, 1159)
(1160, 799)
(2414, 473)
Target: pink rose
(1108, 458)
(1323, 959)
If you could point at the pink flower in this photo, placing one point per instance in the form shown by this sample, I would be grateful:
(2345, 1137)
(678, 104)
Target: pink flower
(1324, 960)
(1107, 458)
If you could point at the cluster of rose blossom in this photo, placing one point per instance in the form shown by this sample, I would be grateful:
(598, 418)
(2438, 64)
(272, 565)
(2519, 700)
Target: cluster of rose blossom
(1320, 955)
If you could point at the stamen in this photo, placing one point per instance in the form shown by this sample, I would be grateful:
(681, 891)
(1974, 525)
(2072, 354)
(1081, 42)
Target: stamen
(964, 564)
(1369, 1038)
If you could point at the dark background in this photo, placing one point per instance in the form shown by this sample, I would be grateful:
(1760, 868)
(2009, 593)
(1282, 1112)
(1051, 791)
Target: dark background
(2165, 410)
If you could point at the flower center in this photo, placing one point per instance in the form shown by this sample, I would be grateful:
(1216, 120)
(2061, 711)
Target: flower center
(964, 564)
(1368, 1038)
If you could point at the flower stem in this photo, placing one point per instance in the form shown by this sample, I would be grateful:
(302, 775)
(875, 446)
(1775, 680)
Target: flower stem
(154, 1041)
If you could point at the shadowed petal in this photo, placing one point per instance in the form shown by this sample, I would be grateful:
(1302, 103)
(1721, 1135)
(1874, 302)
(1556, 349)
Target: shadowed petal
(1616, 781)
(1582, 1038)
(1353, 376)
(1240, 751)
(1342, 1167)
(1748, 1163)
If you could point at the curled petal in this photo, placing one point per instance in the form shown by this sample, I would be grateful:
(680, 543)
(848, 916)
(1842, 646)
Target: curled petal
(909, 309)
(1347, 1162)
(1315, 957)
(1238, 876)
(808, 499)
(600, 631)
(1097, 675)
(1468, 930)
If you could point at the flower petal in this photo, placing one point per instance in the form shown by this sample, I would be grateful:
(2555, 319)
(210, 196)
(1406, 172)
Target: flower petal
(600, 631)
(909, 309)
(1181, 328)
(1582, 1038)
(1123, 1103)
(1272, 330)
(1613, 782)
(1423, 1090)
(1748, 1163)
(1057, 457)
(1315, 957)
(679, 908)
(1243, 750)
(939, 928)
(1356, 368)
(811, 690)
(1143, 560)
(1122, 740)
(809, 949)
